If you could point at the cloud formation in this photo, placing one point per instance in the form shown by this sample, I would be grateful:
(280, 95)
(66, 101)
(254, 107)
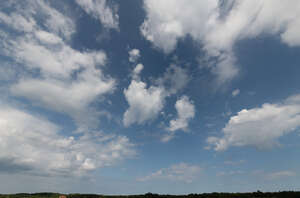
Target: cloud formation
(47, 71)
(144, 102)
(134, 55)
(33, 145)
(101, 10)
(69, 80)
(185, 112)
(218, 25)
(181, 172)
(261, 126)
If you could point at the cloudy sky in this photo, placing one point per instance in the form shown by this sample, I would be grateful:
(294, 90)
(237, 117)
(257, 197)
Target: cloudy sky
(127, 97)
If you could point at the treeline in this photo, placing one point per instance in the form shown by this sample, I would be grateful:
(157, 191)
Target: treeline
(258, 194)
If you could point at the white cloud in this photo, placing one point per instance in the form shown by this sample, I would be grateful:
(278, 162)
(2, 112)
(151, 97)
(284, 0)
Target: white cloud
(55, 76)
(33, 145)
(185, 112)
(62, 60)
(134, 55)
(18, 22)
(64, 80)
(144, 103)
(137, 70)
(165, 22)
(217, 25)
(100, 10)
(23, 17)
(181, 172)
(72, 98)
(47, 38)
(268, 122)
(55, 21)
(235, 92)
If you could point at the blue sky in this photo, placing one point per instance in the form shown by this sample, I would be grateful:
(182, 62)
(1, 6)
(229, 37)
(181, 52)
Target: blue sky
(127, 97)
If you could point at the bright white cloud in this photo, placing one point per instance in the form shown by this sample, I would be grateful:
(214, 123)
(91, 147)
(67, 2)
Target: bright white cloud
(134, 55)
(65, 80)
(62, 60)
(260, 127)
(181, 172)
(33, 145)
(217, 25)
(144, 102)
(72, 97)
(185, 112)
(53, 75)
(100, 10)
(165, 22)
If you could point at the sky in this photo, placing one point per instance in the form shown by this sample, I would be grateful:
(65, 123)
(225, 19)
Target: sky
(130, 97)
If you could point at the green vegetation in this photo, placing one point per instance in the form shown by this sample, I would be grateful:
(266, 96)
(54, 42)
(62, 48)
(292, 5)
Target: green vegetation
(258, 194)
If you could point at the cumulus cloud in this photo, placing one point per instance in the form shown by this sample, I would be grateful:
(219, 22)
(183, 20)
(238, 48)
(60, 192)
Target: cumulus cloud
(63, 79)
(100, 10)
(134, 55)
(165, 22)
(185, 112)
(181, 172)
(48, 72)
(261, 126)
(218, 25)
(144, 102)
(31, 144)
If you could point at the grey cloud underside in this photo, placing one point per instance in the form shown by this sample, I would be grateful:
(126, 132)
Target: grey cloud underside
(10, 165)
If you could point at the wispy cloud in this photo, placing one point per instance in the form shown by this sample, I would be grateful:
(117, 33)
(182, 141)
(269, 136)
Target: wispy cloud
(181, 172)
